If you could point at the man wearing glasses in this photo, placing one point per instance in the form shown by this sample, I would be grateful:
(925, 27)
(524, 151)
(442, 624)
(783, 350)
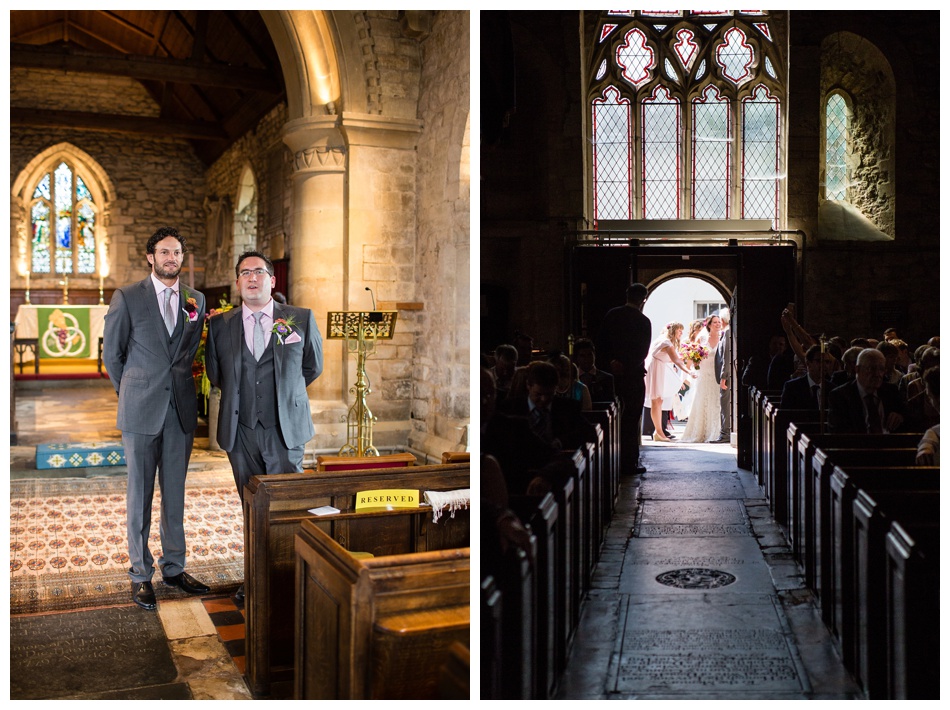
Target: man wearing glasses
(262, 356)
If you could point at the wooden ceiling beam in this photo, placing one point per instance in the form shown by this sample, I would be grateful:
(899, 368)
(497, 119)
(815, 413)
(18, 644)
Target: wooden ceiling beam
(116, 123)
(182, 71)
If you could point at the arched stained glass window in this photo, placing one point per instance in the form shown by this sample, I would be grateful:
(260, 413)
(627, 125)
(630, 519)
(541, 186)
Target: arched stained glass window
(63, 219)
(613, 156)
(760, 155)
(837, 127)
(701, 101)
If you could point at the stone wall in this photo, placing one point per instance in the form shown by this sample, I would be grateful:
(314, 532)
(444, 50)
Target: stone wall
(440, 370)
(157, 181)
(254, 227)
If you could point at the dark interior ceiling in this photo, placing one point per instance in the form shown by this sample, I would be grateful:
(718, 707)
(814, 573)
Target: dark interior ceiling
(214, 74)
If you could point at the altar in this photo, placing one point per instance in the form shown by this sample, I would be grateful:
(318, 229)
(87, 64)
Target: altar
(62, 332)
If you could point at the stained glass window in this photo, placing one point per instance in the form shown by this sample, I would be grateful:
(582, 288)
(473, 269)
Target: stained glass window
(712, 147)
(760, 156)
(661, 155)
(63, 218)
(613, 156)
(836, 136)
(721, 158)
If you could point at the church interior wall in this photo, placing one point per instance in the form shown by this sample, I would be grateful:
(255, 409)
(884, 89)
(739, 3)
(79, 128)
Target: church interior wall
(158, 181)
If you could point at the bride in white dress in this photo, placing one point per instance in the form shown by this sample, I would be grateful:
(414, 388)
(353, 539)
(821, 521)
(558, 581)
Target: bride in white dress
(704, 417)
(682, 405)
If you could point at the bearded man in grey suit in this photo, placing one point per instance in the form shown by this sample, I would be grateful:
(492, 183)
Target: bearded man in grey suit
(152, 332)
(263, 356)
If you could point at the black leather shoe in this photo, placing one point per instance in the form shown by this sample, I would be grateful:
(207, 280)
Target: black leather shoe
(640, 470)
(144, 595)
(239, 596)
(186, 583)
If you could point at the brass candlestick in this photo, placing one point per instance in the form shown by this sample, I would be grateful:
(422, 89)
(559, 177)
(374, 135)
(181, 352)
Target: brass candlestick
(65, 283)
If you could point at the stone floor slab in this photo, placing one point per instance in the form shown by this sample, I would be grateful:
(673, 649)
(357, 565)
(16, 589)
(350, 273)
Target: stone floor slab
(699, 485)
(59, 655)
(725, 645)
(739, 556)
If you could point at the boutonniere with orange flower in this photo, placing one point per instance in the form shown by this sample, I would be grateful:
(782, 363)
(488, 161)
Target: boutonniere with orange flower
(283, 328)
(189, 304)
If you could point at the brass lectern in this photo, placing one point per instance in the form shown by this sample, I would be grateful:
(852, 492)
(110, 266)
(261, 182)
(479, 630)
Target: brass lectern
(361, 330)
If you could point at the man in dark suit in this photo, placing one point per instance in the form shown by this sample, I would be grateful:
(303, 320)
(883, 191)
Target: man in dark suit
(867, 405)
(599, 383)
(624, 342)
(262, 356)
(803, 392)
(556, 420)
(724, 375)
(151, 334)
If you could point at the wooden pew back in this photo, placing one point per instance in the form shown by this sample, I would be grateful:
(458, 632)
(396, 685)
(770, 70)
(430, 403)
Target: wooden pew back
(377, 628)
(274, 508)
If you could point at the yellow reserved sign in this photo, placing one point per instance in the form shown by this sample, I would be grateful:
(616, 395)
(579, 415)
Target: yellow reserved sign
(388, 498)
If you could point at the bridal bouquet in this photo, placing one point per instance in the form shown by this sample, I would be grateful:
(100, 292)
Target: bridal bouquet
(694, 353)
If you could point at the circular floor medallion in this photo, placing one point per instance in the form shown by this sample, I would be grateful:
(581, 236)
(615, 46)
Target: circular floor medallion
(695, 578)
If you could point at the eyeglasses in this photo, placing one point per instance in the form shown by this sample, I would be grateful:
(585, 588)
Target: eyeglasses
(246, 273)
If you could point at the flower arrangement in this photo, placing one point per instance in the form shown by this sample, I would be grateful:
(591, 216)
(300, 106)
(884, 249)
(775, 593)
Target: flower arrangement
(694, 353)
(198, 370)
(189, 305)
(283, 327)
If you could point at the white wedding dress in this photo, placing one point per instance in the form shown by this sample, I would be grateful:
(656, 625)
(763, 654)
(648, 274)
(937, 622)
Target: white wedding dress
(704, 416)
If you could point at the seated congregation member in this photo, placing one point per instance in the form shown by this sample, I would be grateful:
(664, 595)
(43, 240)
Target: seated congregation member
(921, 413)
(787, 364)
(506, 360)
(928, 450)
(756, 371)
(803, 392)
(600, 384)
(568, 385)
(868, 405)
(557, 421)
(846, 373)
(519, 452)
(891, 374)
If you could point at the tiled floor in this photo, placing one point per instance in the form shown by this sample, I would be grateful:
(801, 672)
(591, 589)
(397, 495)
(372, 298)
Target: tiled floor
(228, 620)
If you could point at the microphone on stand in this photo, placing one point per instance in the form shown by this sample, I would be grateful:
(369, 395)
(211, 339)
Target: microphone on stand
(373, 297)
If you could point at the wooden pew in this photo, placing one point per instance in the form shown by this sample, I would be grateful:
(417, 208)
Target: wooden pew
(491, 637)
(760, 399)
(913, 610)
(777, 472)
(594, 451)
(795, 485)
(516, 581)
(568, 540)
(540, 516)
(607, 415)
(845, 483)
(873, 512)
(822, 532)
(582, 553)
(455, 673)
(808, 442)
(376, 628)
(274, 507)
(350, 463)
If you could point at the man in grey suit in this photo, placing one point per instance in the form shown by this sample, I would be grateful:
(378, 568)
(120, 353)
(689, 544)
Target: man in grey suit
(263, 356)
(724, 372)
(152, 331)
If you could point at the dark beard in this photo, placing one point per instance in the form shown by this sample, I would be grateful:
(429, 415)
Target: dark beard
(162, 274)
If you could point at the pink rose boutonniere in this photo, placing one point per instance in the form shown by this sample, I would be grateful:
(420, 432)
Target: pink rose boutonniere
(283, 329)
(190, 306)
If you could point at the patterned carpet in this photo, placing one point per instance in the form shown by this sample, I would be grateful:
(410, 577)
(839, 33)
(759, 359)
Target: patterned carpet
(68, 546)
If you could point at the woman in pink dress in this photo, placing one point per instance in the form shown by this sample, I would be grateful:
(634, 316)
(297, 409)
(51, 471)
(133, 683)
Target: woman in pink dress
(663, 380)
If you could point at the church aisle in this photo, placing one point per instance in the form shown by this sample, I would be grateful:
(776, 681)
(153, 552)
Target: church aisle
(696, 595)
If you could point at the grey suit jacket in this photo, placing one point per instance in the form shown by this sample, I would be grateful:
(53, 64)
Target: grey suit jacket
(142, 366)
(296, 365)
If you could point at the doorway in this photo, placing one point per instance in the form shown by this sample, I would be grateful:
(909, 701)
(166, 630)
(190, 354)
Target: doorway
(761, 279)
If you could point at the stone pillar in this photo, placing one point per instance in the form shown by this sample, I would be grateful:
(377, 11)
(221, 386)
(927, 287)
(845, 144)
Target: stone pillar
(317, 248)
